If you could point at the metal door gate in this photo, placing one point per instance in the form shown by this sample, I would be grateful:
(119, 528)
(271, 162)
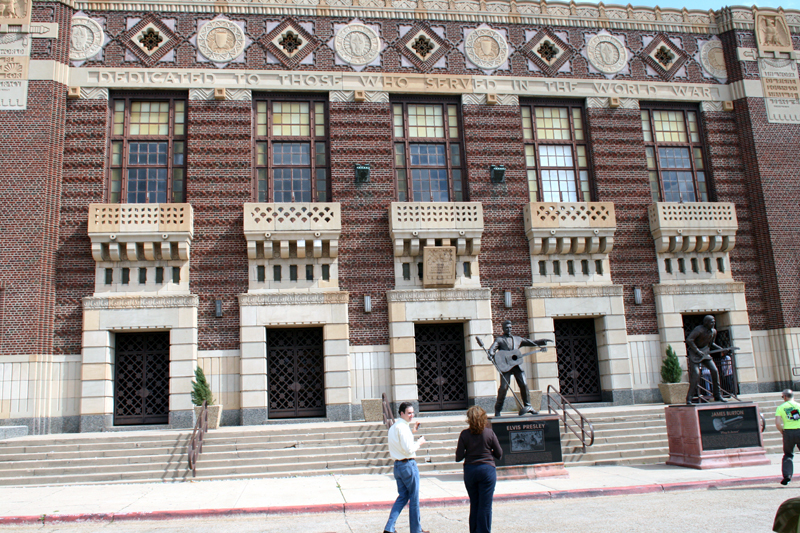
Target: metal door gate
(576, 351)
(725, 362)
(141, 378)
(295, 369)
(441, 367)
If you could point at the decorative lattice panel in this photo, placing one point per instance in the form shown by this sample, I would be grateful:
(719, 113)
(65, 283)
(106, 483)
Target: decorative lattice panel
(295, 367)
(142, 379)
(576, 349)
(441, 367)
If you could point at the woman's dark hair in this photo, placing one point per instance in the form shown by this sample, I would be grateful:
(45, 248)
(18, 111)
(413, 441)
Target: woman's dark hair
(403, 407)
(476, 417)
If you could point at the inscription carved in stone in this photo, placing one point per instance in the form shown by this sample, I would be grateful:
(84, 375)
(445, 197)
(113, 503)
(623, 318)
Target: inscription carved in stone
(607, 53)
(221, 40)
(357, 44)
(713, 59)
(87, 39)
(486, 48)
(439, 266)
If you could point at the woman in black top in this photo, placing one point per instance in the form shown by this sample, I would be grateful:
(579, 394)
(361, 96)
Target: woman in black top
(478, 447)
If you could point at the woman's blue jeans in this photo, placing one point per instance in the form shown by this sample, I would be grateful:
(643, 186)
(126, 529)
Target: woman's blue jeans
(480, 481)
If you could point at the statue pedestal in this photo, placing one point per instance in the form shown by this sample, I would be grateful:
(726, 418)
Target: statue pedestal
(715, 435)
(531, 447)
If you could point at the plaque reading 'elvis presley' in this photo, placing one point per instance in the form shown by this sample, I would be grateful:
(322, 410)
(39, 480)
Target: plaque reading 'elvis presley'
(528, 440)
(729, 427)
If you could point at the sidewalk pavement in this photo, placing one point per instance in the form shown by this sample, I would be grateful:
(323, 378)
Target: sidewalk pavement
(338, 493)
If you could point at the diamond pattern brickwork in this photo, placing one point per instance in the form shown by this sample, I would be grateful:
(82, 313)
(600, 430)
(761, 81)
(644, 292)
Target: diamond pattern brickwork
(150, 40)
(289, 43)
(663, 56)
(548, 51)
(422, 46)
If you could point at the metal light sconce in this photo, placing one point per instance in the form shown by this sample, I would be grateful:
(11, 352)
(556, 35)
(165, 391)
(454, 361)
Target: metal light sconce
(218, 308)
(507, 298)
(367, 303)
(362, 173)
(497, 173)
(637, 295)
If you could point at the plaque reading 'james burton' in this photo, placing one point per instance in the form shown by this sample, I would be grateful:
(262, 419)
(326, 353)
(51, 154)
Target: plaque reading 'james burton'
(439, 266)
(528, 440)
(729, 427)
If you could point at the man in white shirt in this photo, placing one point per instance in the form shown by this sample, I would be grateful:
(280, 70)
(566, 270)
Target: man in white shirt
(403, 450)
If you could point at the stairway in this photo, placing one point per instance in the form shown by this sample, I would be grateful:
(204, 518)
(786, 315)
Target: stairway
(623, 435)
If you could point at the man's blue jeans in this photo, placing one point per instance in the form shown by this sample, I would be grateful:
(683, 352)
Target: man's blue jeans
(407, 477)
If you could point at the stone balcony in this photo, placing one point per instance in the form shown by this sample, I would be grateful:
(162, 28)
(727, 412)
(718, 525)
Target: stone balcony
(140, 232)
(693, 227)
(570, 228)
(312, 229)
(414, 225)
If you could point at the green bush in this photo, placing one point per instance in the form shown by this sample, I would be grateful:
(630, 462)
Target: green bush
(200, 390)
(671, 368)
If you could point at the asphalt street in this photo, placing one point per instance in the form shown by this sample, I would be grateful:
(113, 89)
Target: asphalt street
(730, 510)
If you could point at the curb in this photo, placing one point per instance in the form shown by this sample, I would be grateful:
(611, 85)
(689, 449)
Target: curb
(371, 506)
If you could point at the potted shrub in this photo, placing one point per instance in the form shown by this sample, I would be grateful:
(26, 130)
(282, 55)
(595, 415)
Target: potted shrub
(672, 390)
(201, 392)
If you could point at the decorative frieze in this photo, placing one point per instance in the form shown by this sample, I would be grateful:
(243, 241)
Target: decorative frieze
(94, 93)
(574, 291)
(294, 298)
(772, 32)
(438, 295)
(613, 103)
(374, 97)
(664, 289)
(490, 99)
(140, 302)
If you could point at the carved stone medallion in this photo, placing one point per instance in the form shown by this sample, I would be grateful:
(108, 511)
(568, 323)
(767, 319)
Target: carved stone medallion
(357, 44)
(221, 40)
(713, 59)
(87, 39)
(606, 53)
(486, 48)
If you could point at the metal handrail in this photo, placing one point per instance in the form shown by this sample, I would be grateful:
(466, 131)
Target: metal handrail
(388, 417)
(196, 442)
(731, 395)
(583, 422)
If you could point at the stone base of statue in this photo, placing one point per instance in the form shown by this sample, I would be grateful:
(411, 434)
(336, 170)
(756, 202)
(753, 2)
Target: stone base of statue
(531, 447)
(715, 435)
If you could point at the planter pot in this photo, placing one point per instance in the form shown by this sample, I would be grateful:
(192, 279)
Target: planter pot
(373, 410)
(673, 393)
(214, 415)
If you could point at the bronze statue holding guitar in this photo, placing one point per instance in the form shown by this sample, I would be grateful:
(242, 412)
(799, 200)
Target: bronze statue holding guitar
(699, 347)
(505, 356)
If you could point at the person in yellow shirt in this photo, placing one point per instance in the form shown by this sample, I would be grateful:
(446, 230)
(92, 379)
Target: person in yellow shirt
(787, 420)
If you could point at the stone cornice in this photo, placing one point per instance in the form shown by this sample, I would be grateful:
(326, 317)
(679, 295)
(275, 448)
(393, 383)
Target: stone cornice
(575, 291)
(294, 298)
(611, 17)
(438, 295)
(140, 302)
(698, 288)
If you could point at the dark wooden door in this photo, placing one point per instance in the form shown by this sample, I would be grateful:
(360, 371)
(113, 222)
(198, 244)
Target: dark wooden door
(441, 367)
(141, 380)
(576, 350)
(296, 373)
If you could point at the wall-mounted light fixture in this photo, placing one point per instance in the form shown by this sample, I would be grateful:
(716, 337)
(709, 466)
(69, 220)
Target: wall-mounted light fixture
(362, 172)
(218, 308)
(367, 303)
(497, 173)
(507, 298)
(637, 295)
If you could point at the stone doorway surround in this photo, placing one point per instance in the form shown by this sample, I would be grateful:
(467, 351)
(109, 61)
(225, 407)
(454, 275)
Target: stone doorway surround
(295, 309)
(604, 304)
(693, 242)
(102, 318)
(472, 307)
